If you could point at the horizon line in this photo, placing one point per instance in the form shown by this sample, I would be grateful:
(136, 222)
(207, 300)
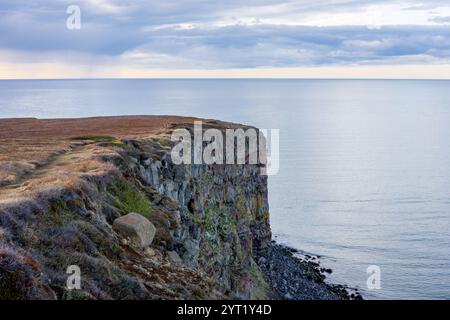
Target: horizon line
(367, 72)
(223, 78)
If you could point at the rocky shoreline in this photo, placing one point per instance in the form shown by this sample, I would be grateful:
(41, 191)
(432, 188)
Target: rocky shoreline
(293, 278)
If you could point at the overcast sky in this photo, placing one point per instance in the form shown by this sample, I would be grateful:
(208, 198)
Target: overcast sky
(334, 38)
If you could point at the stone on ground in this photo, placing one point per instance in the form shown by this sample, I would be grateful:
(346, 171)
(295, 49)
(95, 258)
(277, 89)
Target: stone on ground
(136, 228)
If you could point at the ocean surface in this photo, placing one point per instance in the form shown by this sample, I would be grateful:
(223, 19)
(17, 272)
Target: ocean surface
(364, 171)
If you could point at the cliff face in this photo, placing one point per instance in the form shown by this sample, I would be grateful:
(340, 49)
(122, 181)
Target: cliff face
(222, 219)
(212, 223)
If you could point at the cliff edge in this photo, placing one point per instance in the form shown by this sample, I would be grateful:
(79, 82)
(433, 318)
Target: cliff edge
(102, 199)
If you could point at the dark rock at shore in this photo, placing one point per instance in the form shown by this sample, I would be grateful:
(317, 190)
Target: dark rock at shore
(294, 279)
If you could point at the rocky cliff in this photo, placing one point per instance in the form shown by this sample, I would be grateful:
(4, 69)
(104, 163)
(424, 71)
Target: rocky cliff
(96, 209)
(211, 221)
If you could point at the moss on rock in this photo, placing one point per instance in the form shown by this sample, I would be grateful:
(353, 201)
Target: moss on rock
(129, 199)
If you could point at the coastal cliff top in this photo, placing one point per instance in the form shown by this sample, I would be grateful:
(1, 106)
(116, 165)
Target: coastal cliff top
(120, 126)
(30, 143)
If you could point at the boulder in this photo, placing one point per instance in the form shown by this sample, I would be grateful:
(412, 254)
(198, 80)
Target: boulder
(136, 228)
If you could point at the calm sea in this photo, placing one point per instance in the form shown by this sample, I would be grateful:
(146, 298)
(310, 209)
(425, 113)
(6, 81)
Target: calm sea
(365, 165)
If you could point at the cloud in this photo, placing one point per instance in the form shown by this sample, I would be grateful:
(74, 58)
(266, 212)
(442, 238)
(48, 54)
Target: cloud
(289, 46)
(106, 7)
(202, 34)
(441, 19)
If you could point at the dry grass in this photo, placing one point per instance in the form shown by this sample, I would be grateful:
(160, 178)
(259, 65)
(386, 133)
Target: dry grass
(64, 173)
(49, 155)
(29, 144)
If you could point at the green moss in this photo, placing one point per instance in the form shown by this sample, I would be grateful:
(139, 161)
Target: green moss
(226, 224)
(96, 138)
(260, 287)
(214, 246)
(210, 222)
(76, 295)
(58, 213)
(162, 141)
(129, 199)
(219, 221)
(116, 143)
(219, 224)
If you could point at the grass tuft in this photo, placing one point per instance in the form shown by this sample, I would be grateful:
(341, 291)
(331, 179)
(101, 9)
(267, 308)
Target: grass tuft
(129, 199)
(58, 213)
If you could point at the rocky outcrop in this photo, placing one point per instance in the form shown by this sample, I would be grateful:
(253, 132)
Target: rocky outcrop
(220, 219)
(211, 223)
(136, 229)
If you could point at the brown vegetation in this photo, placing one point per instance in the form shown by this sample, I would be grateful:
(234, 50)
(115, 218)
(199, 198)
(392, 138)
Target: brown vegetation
(30, 143)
